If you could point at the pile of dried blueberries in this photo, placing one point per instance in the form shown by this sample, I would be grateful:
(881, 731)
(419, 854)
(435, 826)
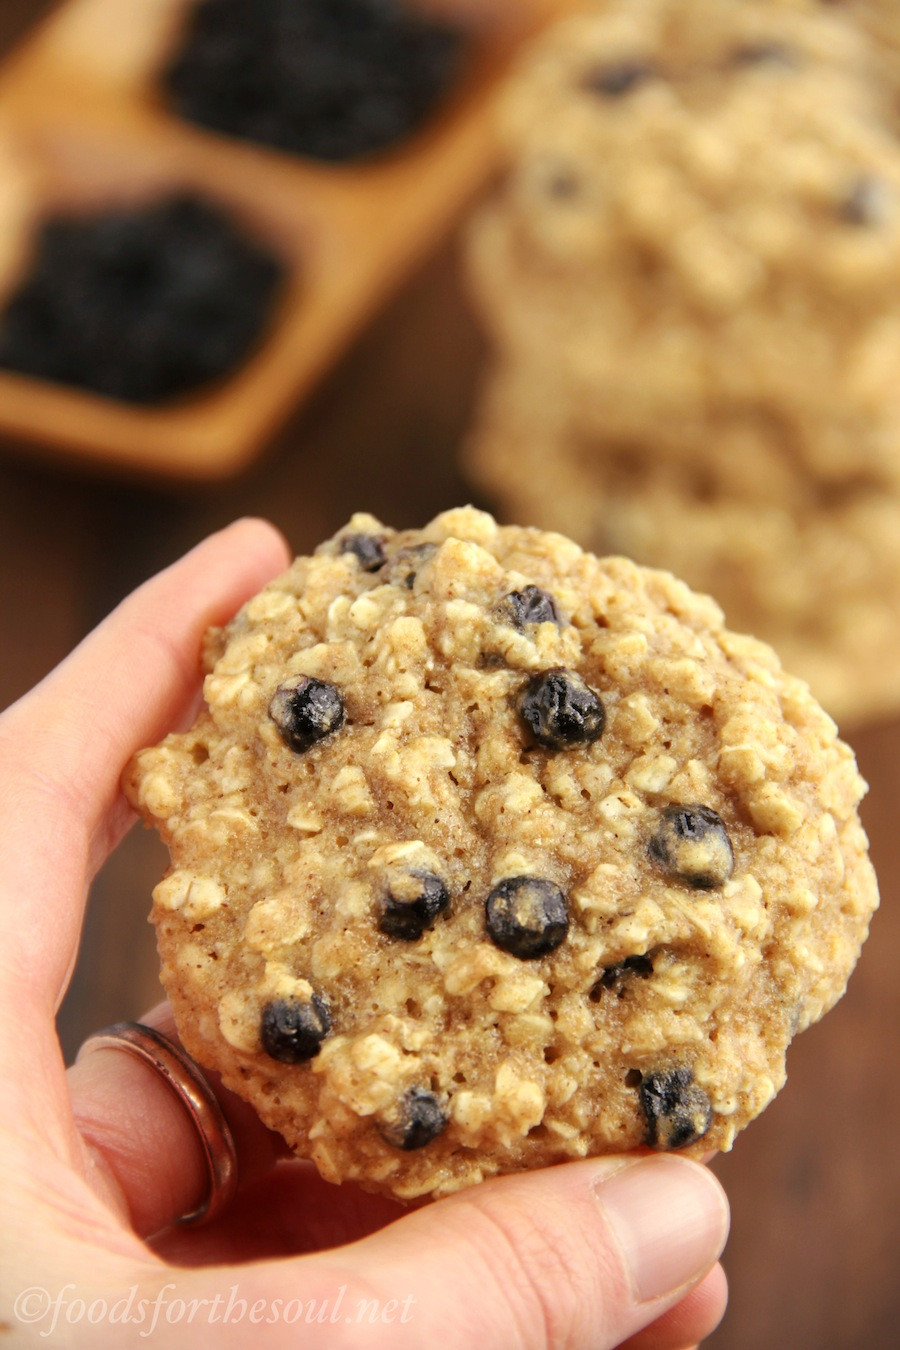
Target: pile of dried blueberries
(140, 303)
(327, 79)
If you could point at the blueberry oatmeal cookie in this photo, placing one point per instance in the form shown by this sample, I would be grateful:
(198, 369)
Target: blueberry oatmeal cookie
(487, 854)
(690, 277)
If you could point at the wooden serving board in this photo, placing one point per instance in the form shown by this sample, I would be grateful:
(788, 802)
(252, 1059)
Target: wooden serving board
(82, 125)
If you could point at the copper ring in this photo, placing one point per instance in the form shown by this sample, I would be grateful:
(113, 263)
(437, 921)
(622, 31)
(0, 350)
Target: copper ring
(196, 1096)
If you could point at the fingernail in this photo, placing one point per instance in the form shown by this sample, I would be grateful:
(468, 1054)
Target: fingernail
(669, 1219)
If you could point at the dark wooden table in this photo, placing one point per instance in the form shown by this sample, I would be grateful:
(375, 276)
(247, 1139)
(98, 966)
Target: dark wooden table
(815, 1184)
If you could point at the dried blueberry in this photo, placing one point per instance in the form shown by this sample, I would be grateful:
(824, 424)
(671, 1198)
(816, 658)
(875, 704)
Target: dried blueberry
(560, 710)
(615, 976)
(292, 1029)
(418, 1118)
(368, 549)
(866, 203)
(405, 565)
(617, 80)
(407, 915)
(764, 54)
(678, 1112)
(562, 184)
(306, 710)
(527, 916)
(331, 79)
(692, 844)
(529, 605)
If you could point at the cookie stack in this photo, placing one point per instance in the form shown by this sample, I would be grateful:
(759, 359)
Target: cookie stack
(692, 280)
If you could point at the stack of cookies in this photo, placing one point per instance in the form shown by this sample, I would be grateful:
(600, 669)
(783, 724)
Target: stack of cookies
(692, 280)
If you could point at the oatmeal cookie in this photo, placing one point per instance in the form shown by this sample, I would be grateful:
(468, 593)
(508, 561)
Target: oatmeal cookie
(691, 277)
(716, 248)
(487, 854)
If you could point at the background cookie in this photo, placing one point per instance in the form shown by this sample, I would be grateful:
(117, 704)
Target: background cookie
(691, 279)
(487, 854)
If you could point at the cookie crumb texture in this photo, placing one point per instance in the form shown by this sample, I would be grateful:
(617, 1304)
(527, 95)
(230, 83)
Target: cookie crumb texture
(430, 943)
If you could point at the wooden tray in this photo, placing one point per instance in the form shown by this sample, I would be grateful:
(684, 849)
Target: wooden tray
(82, 125)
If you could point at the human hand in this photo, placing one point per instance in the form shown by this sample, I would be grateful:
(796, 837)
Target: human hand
(99, 1162)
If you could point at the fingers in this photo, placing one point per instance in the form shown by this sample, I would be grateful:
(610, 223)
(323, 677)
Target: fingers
(652, 1226)
(690, 1321)
(583, 1255)
(64, 746)
(290, 1211)
(593, 1254)
(145, 1159)
(145, 1154)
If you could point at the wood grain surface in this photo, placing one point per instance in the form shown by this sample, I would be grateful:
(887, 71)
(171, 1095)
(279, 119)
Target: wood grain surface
(815, 1183)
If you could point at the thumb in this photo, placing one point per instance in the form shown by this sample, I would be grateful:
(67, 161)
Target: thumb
(583, 1255)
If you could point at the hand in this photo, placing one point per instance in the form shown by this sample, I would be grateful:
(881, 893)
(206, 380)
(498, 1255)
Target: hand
(99, 1161)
